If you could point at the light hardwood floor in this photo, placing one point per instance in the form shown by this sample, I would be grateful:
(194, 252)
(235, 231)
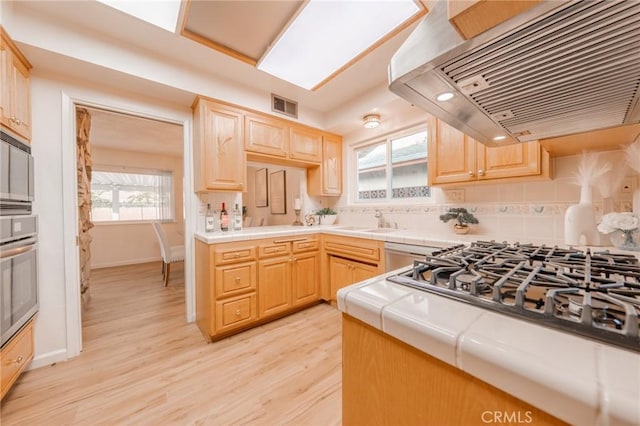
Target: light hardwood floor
(143, 365)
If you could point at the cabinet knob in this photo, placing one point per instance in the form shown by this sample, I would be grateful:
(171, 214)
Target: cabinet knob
(237, 255)
(237, 312)
(471, 173)
(481, 172)
(18, 360)
(237, 279)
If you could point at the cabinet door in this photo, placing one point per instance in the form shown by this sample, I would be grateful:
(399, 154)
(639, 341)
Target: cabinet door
(5, 84)
(15, 356)
(305, 144)
(305, 278)
(452, 155)
(266, 136)
(274, 286)
(362, 271)
(21, 100)
(340, 274)
(331, 165)
(509, 161)
(224, 157)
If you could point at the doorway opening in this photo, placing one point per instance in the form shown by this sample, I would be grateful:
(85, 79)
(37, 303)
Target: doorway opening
(130, 174)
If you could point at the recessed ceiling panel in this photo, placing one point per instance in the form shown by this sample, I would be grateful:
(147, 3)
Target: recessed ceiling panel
(243, 29)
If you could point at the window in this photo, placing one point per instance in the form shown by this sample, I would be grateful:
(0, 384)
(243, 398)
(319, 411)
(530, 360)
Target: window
(395, 168)
(125, 197)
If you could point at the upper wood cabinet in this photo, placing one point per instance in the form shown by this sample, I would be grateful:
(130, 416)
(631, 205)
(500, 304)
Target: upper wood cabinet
(326, 180)
(456, 158)
(474, 17)
(305, 144)
(15, 82)
(219, 157)
(281, 139)
(264, 135)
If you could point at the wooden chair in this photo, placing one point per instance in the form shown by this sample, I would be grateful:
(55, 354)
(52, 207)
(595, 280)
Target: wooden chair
(170, 254)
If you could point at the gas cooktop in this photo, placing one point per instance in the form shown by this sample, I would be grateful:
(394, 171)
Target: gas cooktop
(591, 293)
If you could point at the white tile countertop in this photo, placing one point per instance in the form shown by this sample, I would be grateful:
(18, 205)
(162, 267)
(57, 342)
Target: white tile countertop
(575, 379)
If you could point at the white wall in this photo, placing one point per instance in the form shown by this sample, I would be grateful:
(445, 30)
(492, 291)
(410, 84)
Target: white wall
(47, 91)
(116, 244)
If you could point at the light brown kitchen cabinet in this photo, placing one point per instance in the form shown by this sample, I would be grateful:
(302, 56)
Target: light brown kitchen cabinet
(242, 284)
(349, 260)
(15, 357)
(219, 156)
(456, 158)
(474, 17)
(305, 144)
(414, 388)
(326, 179)
(15, 79)
(266, 135)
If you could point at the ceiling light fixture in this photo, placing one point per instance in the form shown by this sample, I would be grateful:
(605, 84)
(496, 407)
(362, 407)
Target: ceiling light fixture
(499, 138)
(327, 35)
(371, 121)
(445, 96)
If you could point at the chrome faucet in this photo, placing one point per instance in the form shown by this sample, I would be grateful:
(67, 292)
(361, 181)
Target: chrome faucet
(380, 218)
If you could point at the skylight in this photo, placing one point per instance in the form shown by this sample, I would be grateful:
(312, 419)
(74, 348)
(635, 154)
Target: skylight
(161, 13)
(326, 35)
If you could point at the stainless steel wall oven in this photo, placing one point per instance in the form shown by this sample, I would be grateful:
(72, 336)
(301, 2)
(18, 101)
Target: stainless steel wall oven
(18, 238)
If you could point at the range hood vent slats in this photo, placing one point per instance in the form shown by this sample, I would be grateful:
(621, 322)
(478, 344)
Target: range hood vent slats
(564, 67)
(559, 31)
(568, 68)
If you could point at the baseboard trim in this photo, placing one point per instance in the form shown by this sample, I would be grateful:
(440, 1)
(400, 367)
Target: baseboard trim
(45, 360)
(127, 262)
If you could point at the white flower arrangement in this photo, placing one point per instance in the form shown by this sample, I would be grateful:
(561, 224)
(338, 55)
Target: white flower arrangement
(624, 222)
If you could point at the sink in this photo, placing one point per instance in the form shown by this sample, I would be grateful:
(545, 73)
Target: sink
(381, 230)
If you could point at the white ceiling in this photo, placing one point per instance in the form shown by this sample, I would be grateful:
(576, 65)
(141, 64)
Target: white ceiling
(359, 90)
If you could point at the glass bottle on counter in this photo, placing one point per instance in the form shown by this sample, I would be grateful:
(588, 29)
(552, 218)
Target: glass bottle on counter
(209, 220)
(237, 218)
(224, 218)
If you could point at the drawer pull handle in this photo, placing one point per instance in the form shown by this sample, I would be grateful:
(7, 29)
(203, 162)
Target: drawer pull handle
(237, 312)
(237, 255)
(18, 360)
(237, 279)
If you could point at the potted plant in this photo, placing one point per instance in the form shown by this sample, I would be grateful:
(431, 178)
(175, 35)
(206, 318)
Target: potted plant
(327, 216)
(463, 219)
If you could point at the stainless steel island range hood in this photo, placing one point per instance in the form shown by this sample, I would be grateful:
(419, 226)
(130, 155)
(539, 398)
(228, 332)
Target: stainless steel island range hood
(557, 69)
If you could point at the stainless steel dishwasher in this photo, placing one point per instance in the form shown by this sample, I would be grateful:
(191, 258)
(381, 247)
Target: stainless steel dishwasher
(399, 255)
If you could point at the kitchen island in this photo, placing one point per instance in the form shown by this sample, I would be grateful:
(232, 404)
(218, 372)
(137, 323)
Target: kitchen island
(414, 357)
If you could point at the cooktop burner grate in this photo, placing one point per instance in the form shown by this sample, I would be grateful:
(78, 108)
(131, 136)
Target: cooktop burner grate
(594, 294)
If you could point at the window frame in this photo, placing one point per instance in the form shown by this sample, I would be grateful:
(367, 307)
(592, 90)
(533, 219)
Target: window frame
(386, 139)
(143, 171)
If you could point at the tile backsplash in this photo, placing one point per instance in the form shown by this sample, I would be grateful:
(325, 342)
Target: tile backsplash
(524, 211)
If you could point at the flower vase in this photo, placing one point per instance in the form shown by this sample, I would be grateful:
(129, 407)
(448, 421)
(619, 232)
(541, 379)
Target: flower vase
(580, 221)
(626, 239)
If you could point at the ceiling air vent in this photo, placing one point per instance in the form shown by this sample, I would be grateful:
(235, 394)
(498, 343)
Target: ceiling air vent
(284, 106)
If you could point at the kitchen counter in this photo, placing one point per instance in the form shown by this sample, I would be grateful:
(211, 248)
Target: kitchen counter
(575, 379)
(572, 378)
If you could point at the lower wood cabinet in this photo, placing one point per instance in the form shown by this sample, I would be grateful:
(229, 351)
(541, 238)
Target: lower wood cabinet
(349, 260)
(15, 357)
(242, 284)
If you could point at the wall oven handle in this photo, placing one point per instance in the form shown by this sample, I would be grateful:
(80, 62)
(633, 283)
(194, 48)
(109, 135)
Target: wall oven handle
(17, 248)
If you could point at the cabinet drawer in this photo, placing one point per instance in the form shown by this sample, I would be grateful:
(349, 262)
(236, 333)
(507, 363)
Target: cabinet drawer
(273, 249)
(235, 279)
(305, 245)
(355, 249)
(225, 255)
(15, 357)
(235, 312)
